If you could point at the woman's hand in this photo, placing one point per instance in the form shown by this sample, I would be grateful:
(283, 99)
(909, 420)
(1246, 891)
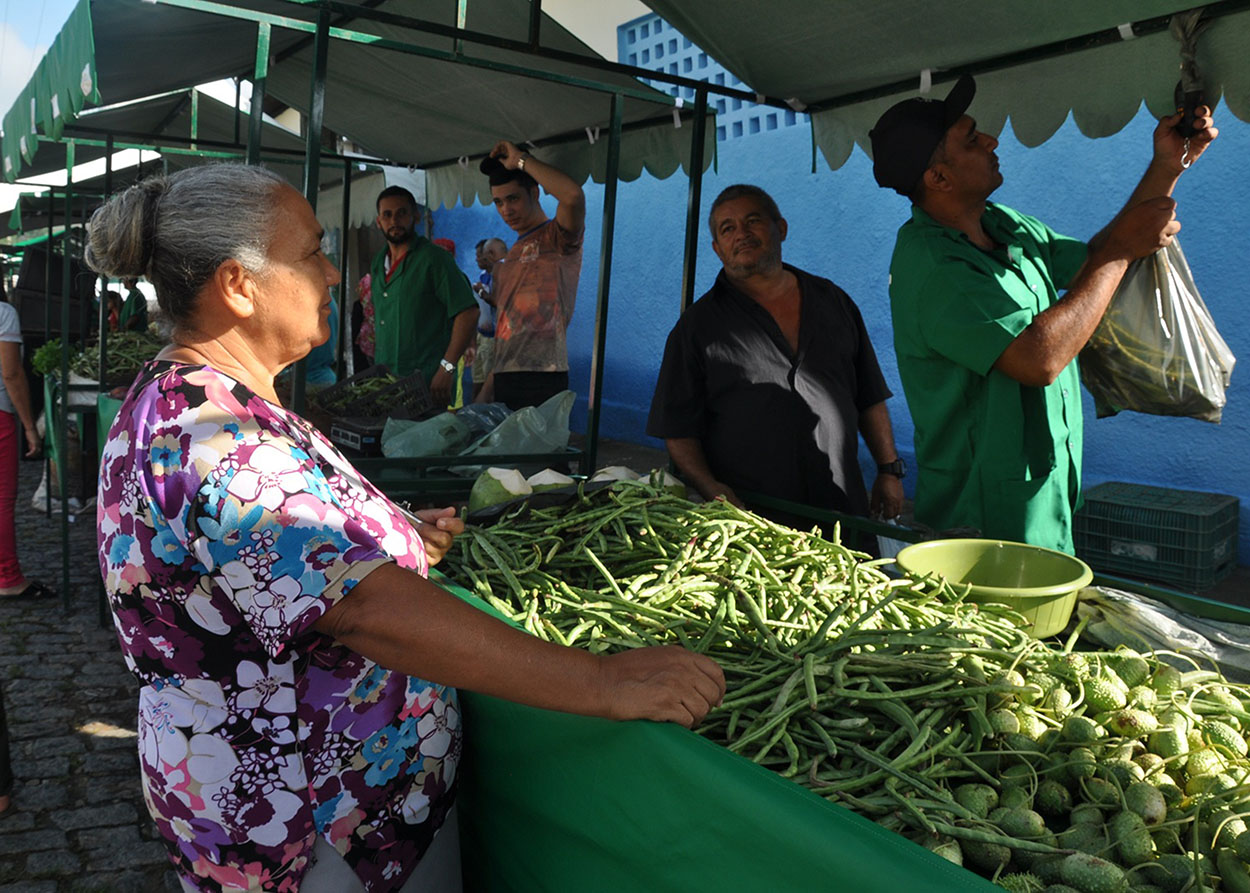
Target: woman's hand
(437, 529)
(665, 684)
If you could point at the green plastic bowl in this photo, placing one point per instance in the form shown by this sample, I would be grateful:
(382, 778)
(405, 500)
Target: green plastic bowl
(1042, 584)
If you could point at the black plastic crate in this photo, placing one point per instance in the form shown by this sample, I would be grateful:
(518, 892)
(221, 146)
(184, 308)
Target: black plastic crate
(405, 398)
(1184, 538)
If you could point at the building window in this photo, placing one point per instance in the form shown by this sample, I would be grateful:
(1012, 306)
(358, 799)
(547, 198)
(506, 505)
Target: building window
(644, 30)
(686, 44)
(659, 51)
(753, 124)
(672, 45)
(703, 62)
(737, 128)
(720, 106)
(687, 64)
(770, 123)
(631, 35)
(672, 69)
(646, 56)
(720, 134)
(633, 58)
(735, 104)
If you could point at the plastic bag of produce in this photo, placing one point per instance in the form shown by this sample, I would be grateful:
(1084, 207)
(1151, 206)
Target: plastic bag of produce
(1123, 618)
(531, 429)
(1157, 349)
(482, 418)
(443, 435)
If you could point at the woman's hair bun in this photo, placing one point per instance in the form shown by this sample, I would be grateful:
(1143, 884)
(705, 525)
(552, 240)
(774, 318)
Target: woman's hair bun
(121, 234)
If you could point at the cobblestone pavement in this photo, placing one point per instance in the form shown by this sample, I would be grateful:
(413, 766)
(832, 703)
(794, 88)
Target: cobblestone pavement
(78, 822)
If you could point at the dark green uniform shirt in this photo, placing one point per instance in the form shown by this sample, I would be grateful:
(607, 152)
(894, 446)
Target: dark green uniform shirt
(991, 453)
(413, 311)
(134, 314)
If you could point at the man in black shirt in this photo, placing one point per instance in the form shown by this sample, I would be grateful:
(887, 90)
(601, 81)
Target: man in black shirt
(769, 378)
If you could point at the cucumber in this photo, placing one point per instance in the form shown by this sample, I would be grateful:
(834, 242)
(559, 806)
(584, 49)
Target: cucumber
(1145, 800)
(1081, 730)
(1131, 839)
(1234, 874)
(1166, 680)
(1130, 667)
(978, 799)
(1223, 736)
(1133, 723)
(1089, 874)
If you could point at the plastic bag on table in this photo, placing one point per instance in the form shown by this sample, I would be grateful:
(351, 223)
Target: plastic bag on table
(1144, 624)
(531, 429)
(442, 435)
(483, 418)
(1157, 349)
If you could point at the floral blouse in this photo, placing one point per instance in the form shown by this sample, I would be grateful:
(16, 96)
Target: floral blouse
(227, 527)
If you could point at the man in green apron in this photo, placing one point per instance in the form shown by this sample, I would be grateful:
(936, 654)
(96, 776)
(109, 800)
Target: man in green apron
(986, 346)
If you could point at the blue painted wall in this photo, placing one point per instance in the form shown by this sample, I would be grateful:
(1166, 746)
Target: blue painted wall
(842, 226)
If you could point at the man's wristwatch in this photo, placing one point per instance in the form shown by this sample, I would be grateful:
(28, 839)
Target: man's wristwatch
(451, 367)
(520, 162)
(898, 468)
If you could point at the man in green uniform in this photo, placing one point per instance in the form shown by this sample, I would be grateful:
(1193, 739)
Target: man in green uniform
(424, 314)
(986, 346)
(134, 312)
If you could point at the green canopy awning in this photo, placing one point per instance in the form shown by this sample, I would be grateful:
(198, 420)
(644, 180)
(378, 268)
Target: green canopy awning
(422, 108)
(847, 62)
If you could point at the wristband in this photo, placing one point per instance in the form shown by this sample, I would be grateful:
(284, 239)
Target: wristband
(450, 367)
(520, 162)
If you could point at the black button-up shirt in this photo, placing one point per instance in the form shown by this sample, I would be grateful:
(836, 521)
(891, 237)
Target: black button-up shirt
(769, 420)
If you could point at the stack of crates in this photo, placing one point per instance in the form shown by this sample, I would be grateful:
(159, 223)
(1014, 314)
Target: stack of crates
(1182, 538)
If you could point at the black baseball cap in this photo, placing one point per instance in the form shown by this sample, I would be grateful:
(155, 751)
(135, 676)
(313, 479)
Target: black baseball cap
(904, 137)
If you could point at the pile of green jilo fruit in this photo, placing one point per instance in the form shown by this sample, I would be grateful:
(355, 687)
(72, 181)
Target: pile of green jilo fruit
(1136, 768)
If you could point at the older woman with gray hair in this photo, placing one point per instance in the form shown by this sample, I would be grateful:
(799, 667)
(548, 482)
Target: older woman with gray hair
(298, 721)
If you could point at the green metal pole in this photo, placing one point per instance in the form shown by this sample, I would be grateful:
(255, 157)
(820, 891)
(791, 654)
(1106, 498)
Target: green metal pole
(47, 336)
(195, 116)
(312, 165)
(261, 73)
(102, 369)
(63, 410)
(698, 135)
(344, 292)
(536, 23)
(594, 402)
(462, 16)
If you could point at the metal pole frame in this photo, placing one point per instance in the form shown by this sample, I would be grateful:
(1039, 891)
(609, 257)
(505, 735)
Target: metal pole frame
(694, 198)
(595, 398)
(259, 76)
(312, 167)
(340, 366)
(63, 408)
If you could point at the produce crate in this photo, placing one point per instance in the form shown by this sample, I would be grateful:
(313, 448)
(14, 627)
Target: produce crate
(1183, 538)
(357, 424)
(406, 398)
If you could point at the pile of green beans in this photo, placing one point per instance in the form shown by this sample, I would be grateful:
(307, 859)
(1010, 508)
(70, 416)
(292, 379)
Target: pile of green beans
(889, 696)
